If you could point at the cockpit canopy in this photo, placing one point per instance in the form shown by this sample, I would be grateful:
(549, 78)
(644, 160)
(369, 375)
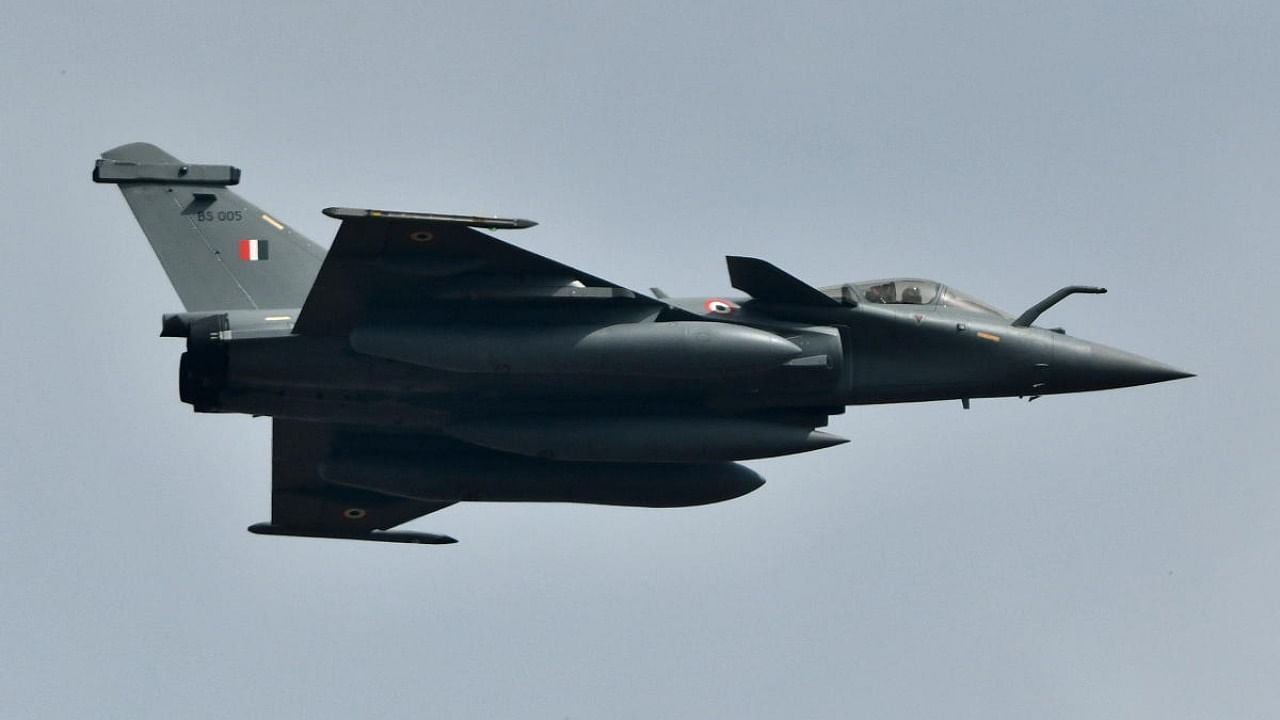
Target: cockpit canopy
(912, 291)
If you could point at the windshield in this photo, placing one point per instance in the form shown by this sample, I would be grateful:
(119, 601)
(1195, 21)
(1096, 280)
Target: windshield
(962, 301)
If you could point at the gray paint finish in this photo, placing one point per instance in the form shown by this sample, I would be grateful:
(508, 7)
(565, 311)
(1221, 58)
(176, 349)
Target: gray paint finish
(523, 366)
(200, 231)
(1096, 555)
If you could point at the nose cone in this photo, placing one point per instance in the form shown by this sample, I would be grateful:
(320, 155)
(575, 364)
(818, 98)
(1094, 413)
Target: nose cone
(1080, 365)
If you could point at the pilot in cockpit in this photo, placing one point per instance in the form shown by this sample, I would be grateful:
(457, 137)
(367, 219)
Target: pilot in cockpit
(880, 293)
(911, 296)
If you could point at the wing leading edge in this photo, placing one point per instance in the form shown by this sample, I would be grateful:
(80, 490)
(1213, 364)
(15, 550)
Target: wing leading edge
(402, 262)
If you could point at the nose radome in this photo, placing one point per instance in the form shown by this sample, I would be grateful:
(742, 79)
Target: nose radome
(1118, 368)
(1082, 365)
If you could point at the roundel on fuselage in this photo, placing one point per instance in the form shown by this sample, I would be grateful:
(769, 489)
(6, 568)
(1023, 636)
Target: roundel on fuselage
(719, 306)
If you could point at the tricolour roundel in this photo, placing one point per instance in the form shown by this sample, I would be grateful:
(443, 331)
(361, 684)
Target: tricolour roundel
(719, 306)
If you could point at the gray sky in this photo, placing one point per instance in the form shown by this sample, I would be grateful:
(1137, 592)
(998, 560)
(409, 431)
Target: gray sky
(1104, 555)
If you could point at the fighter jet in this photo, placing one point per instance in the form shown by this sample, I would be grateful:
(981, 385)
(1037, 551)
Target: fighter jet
(421, 363)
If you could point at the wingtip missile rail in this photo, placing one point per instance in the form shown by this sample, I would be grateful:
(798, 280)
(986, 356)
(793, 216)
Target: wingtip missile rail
(395, 536)
(475, 221)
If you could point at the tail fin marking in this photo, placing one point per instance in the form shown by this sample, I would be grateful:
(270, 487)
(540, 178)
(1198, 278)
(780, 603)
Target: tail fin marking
(220, 251)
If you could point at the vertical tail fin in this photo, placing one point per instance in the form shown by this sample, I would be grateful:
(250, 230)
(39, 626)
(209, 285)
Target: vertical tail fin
(220, 251)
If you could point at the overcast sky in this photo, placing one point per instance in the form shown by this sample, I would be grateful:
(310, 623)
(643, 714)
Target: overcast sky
(1108, 555)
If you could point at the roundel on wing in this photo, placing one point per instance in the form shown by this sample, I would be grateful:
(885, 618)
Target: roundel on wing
(719, 306)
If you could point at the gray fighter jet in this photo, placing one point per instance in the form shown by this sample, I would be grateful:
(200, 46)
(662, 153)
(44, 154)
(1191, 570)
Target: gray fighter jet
(421, 363)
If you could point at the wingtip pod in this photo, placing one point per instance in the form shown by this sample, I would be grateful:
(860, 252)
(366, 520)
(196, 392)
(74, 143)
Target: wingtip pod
(477, 221)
